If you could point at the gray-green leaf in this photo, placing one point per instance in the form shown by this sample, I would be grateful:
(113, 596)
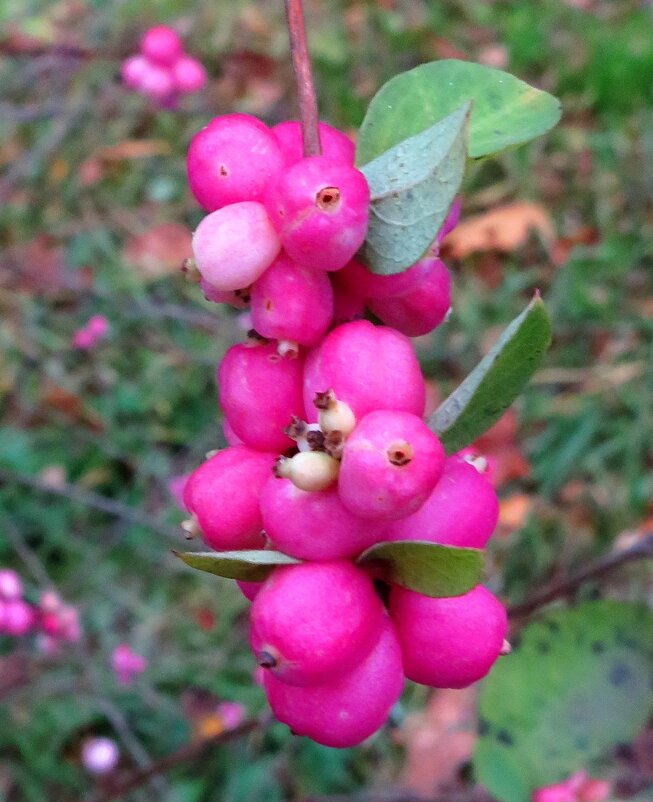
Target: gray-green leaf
(247, 565)
(496, 381)
(506, 111)
(412, 186)
(425, 567)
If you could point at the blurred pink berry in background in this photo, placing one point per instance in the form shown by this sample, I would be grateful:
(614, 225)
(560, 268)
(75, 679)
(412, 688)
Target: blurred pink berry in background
(127, 664)
(100, 755)
(231, 714)
(176, 485)
(11, 586)
(96, 328)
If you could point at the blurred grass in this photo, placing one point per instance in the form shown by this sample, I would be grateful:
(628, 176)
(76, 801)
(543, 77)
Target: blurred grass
(142, 407)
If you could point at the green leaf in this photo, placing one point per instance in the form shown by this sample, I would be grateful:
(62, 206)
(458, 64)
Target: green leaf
(577, 683)
(506, 111)
(412, 186)
(247, 565)
(496, 381)
(425, 567)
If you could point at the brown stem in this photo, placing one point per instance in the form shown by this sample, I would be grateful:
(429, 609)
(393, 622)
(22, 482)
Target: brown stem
(305, 88)
(642, 549)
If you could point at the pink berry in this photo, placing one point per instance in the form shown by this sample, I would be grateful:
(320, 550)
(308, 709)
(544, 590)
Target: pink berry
(462, 510)
(235, 245)
(368, 367)
(345, 711)
(100, 755)
(230, 436)
(157, 82)
(249, 589)
(390, 464)
(594, 791)
(127, 664)
(133, 70)
(239, 299)
(451, 221)
(312, 622)
(346, 305)
(290, 302)
(420, 310)
(319, 206)
(335, 144)
(312, 525)
(232, 159)
(555, 793)
(19, 617)
(260, 393)
(11, 585)
(448, 643)
(188, 74)
(362, 282)
(223, 494)
(161, 45)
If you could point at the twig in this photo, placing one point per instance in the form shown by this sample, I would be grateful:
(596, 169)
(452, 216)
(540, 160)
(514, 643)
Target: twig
(190, 751)
(642, 549)
(305, 88)
(88, 498)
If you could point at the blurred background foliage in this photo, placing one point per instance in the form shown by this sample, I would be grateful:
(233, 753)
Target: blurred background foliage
(95, 218)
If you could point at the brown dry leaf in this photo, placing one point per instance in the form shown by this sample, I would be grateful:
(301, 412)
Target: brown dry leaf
(159, 251)
(504, 229)
(72, 406)
(39, 267)
(513, 511)
(439, 739)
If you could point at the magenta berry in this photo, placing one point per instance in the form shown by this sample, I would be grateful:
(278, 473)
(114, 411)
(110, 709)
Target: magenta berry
(345, 711)
(448, 643)
(420, 310)
(290, 302)
(360, 281)
(555, 793)
(19, 617)
(346, 305)
(312, 622)
(235, 245)
(312, 525)
(335, 144)
(223, 495)
(161, 45)
(319, 206)
(260, 393)
(390, 464)
(133, 71)
(368, 367)
(462, 510)
(157, 82)
(249, 589)
(232, 159)
(188, 74)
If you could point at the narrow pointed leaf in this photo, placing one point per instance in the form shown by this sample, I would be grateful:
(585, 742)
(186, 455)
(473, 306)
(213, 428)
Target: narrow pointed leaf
(425, 567)
(248, 565)
(506, 111)
(412, 186)
(496, 381)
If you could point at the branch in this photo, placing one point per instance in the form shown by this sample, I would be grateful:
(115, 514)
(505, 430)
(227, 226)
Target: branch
(642, 549)
(305, 88)
(121, 787)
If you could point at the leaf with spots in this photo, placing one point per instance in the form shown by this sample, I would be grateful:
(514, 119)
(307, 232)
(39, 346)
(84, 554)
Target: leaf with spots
(578, 682)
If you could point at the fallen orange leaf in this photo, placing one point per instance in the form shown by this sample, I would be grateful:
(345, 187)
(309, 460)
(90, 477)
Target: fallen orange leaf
(514, 510)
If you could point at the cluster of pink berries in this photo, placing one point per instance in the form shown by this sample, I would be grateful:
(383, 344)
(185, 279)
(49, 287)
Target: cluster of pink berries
(95, 329)
(578, 788)
(54, 621)
(328, 450)
(162, 70)
(127, 664)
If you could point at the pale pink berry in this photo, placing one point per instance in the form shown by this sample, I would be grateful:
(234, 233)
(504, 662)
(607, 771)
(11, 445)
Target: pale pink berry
(291, 302)
(239, 299)
(71, 630)
(448, 643)
(157, 82)
(319, 206)
(188, 74)
(11, 585)
(313, 622)
(335, 145)
(133, 70)
(313, 525)
(100, 755)
(594, 791)
(345, 711)
(162, 45)
(462, 510)
(249, 589)
(260, 393)
(390, 464)
(127, 664)
(231, 714)
(232, 159)
(19, 617)
(223, 494)
(368, 367)
(422, 309)
(235, 245)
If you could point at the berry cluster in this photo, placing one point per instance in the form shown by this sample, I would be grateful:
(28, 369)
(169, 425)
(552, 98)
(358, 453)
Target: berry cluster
(54, 621)
(328, 450)
(162, 70)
